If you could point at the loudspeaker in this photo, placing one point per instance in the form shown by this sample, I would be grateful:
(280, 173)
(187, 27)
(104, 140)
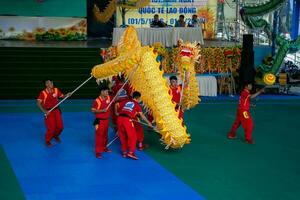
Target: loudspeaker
(248, 42)
(247, 70)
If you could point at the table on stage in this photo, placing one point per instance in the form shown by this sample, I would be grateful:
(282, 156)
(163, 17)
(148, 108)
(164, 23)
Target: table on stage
(208, 85)
(166, 36)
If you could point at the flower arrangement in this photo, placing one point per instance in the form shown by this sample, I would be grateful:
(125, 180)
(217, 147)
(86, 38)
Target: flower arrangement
(212, 59)
(209, 16)
(108, 54)
(75, 32)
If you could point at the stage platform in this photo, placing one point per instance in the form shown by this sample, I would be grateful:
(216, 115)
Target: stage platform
(91, 43)
(267, 170)
(24, 64)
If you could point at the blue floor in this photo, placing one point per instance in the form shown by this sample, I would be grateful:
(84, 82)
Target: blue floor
(70, 171)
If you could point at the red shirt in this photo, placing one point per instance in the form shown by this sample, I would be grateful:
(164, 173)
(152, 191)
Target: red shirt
(175, 92)
(130, 108)
(50, 99)
(244, 102)
(124, 93)
(114, 81)
(99, 104)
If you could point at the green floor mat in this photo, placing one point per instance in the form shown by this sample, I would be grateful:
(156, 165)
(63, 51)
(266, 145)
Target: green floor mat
(219, 168)
(9, 186)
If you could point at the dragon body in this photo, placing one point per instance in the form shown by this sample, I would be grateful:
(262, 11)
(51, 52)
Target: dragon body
(148, 79)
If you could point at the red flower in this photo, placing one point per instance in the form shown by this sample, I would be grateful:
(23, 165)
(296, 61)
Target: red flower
(228, 53)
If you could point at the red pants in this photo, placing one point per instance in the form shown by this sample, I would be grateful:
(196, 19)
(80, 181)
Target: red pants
(243, 117)
(113, 115)
(150, 117)
(101, 135)
(54, 124)
(126, 133)
(180, 115)
(139, 131)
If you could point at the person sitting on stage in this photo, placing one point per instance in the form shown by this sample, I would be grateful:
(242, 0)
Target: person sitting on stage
(128, 111)
(195, 22)
(156, 23)
(101, 123)
(47, 99)
(180, 22)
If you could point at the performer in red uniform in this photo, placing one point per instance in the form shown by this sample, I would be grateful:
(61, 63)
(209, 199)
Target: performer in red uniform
(243, 115)
(139, 134)
(101, 123)
(46, 100)
(175, 92)
(124, 93)
(129, 110)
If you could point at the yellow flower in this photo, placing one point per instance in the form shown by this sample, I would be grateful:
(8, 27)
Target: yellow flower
(63, 33)
(51, 30)
(40, 30)
(209, 16)
(73, 28)
(29, 36)
(11, 29)
(82, 23)
(83, 30)
(61, 30)
(157, 44)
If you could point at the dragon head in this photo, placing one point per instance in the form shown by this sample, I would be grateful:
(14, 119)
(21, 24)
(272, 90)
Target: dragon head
(129, 41)
(189, 53)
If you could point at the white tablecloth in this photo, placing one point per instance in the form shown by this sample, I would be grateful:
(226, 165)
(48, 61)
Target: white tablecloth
(207, 85)
(167, 36)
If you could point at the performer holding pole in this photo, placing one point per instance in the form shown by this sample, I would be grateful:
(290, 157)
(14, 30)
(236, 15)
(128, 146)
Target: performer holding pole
(69, 94)
(101, 122)
(176, 92)
(243, 114)
(47, 102)
(129, 110)
(101, 108)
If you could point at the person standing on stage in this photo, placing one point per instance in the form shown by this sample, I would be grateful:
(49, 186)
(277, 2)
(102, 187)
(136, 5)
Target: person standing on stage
(46, 100)
(123, 93)
(101, 122)
(243, 114)
(128, 111)
(175, 92)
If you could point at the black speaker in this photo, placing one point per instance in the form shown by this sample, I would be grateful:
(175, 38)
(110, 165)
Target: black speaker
(248, 42)
(247, 70)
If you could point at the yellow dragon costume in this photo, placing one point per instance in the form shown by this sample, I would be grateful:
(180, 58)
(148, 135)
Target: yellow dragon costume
(141, 68)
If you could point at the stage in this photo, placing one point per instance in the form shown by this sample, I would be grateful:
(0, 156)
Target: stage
(93, 43)
(266, 170)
